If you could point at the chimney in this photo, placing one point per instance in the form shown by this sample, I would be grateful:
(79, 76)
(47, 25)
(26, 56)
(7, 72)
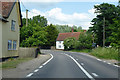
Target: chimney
(72, 30)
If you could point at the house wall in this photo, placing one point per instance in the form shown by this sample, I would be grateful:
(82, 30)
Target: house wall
(0, 38)
(59, 45)
(7, 34)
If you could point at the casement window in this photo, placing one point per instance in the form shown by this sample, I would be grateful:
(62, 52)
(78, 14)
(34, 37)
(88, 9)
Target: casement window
(59, 41)
(13, 25)
(14, 45)
(9, 44)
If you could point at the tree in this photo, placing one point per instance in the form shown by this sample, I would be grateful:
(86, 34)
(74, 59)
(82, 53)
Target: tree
(109, 12)
(84, 42)
(51, 35)
(69, 43)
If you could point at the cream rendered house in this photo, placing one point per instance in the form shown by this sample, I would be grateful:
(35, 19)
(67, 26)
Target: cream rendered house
(10, 22)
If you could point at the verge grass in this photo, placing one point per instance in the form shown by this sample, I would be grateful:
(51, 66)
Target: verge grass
(103, 53)
(12, 63)
(106, 53)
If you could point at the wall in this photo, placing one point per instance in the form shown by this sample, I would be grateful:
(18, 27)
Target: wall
(59, 43)
(10, 35)
(26, 52)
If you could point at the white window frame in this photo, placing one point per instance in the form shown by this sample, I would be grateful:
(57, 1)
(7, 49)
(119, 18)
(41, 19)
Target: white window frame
(14, 44)
(9, 44)
(13, 25)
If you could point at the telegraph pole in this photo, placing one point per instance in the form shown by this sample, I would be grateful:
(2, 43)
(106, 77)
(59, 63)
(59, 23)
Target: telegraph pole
(26, 17)
(103, 31)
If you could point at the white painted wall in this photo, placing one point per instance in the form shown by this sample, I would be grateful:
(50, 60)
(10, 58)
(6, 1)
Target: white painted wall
(59, 45)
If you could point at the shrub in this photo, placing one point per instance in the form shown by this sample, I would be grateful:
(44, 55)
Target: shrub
(69, 43)
(84, 42)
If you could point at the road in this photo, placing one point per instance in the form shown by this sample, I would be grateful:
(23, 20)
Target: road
(75, 65)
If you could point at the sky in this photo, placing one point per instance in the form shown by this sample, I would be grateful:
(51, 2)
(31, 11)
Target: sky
(64, 12)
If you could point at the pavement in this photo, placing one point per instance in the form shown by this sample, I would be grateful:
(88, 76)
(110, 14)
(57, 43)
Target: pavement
(25, 68)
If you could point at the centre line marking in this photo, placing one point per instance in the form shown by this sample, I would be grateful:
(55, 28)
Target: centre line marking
(29, 75)
(109, 63)
(36, 70)
(49, 59)
(95, 74)
(86, 73)
(82, 64)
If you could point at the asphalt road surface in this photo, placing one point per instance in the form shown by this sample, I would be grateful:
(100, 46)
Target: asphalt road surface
(75, 65)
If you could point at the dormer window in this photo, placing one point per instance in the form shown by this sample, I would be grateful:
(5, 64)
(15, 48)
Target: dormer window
(13, 25)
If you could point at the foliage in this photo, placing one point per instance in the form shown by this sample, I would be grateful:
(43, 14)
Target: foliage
(37, 33)
(69, 43)
(109, 12)
(51, 35)
(84, 42)
(66, 28)
(106, 53)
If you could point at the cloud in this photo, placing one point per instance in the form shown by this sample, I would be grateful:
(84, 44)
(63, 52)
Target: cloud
(56, 16)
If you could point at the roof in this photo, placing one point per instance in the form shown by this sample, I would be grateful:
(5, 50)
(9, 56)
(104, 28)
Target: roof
(63, 36)
(6, 9)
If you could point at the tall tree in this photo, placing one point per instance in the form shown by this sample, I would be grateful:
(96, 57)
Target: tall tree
(109, 12)
(52, 34)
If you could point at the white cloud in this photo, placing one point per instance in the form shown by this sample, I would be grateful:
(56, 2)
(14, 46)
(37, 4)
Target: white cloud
(56, 16)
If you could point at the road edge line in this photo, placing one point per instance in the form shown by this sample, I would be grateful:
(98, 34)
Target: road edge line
(48, 60)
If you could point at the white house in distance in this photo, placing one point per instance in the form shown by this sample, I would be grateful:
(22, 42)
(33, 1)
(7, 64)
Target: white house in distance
(62, 36)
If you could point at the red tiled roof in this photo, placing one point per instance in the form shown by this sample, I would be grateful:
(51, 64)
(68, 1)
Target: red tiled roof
(6, 8)
(63, 36)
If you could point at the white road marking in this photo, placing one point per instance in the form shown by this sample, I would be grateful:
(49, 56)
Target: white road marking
(108, 63)
(104, 61)
(87, 74)
(82, 64)
(48, 60)
(40, 66)
(36, 70)
(95, 74)
(29, 75)
(99, 59)
(76, 59)
(116, 65)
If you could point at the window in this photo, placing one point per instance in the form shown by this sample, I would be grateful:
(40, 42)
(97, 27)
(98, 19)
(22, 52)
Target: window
(13, 25)
(9, 44)
(59, 46)
(14, 45)
(59, 41)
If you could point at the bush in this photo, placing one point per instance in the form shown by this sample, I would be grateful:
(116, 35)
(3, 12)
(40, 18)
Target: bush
(69, 43)
(84, 42)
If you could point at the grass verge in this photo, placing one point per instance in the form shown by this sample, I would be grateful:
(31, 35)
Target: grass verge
(102, 53)
(12, 63)
(106, 53)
